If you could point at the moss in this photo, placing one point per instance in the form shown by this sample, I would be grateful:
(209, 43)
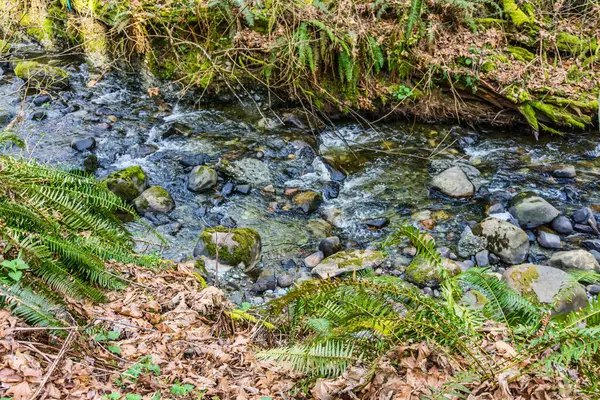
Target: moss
(41, 76)
(517, 94)
(488, 66)
(421, 273)
(562, 117)
(521, 54)
(4, 47)
(246, 238)
(127, 183)
(572, 44)
(523, 277)
(529, 113)
(516, 15)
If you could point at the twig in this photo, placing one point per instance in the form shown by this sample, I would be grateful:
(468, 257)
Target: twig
(59, 357)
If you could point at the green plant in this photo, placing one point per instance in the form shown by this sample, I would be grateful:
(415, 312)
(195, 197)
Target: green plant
(62, 224)
(11, 271)
(181, 390)
(144, 365)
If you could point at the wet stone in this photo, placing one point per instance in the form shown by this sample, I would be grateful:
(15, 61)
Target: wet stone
(549, 240)
(314, 259)
(482, 258)
(194, 160)
(71, 109)
(583, 228)
(285, 280)
(594, 290)
(330, 245)
(377, 223)
(42, 99)
(39, 116)
(564, 171)
(582, 215)
(496, 208)
(331, 190)
(88, 143)
(227, 189)
(596, 255)
(177, 129)
(453, 182)
(243, 189)
(591, 244)
(562, 225)
(229, 222)
(103, 111)
(532, 211)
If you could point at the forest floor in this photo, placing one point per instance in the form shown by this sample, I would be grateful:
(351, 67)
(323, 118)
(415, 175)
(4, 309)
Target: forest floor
(166, 336)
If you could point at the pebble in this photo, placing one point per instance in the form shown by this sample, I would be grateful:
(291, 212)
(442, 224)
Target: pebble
(314, 259)
(428, 291)
(285, 280)
(288, 264)
(549, 240)
(103, 111)
(88, 143)
(482, 258)
(594, 290)
(583, 228)
(409, 251)
(269, 189)
(376, 223)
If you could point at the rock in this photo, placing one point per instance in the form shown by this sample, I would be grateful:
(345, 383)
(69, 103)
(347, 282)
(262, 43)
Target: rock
(42, 99)
(546, 285)
(88, 143)
(475, 299)
(5, 116)
(103, 111)
(247, 170)
(347, 261)
(308, 201)
(583, 215)
(470, 244)
(243, 189)
(144, 150)
(423, 274)
(201, 179)
(154, 199)
(235, 246)
(41, 76)
(549, 240)
(496, 208)
(562, 225)
(330, 245)
(314, 259)
(177, 129)
(269, 189)
(285, 280)
(593, 290)
(583, 228)
(377, 223)
(564, 171)
(331, 190)
(267, 280)
(194, 160)
(593, 244)
(127, 183)
(508, 242)
(532, 211)
(494, 259)
(596, 255)
(39, 116)
(574, 259)
(268, 124)
(90, 164)
(482, 258)
(227, 189)
(454, 183)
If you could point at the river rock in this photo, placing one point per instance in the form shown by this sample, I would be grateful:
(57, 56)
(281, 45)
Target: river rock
(507, 241)
(247, 170)
(592, 244)
(532, 211)
(546, 285)
(267, 280)
(549, 240)
(42, 99)
(41, 76)
(154, 199)
(574, 259)
(308, 201)
(177, 129)
(454, 182)
(483, 258)
(285, 280)
(583, 215)
(127, 183)
(201, 179)
(377, 223)
(593, 290)
(88, 143)
(330, 245)
(470, 244)
(347, 261)
(314, 259)
(423, 274)
(564, 171)
(235, 246)
(193, 160)
(562, 225)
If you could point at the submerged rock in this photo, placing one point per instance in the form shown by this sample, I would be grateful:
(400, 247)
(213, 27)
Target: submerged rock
(308, 201)
(574, 259)
(532, 211)
(454, 182)
(235, 246)
(546, 285)
(423, 274)
(88, 143)
(507, 241)
(202, 179)
(41, 76)
(127, 183)
(347, 261)
(154, 199)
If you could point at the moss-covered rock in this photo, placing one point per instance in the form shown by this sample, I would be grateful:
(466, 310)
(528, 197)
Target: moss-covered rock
(505, 240)
(423, 274)
(201, 179)
(348, 261)
(308, 201)
(154, 199)
(546, 285)
(42, 76)
(532, 211)
(127, 183)
(231, 246)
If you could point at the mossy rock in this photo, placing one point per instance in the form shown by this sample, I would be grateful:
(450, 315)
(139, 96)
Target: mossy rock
(42, 76)
(308, 202)
(127, 183)
(4, 47)
(235, 246)
(347, 261)
(154, 199)
(423, 274)
(201, 179)
(505, 240)
(546, 285)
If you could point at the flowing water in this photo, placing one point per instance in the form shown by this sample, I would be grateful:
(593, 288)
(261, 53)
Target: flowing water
(387, 167)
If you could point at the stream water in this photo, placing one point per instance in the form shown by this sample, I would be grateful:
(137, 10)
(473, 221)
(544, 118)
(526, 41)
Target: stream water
(386, 169)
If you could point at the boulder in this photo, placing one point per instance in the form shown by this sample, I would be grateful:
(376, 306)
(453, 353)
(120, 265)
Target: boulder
(201, 179)
(154, 199)
(423, 274)
(508, 242)
(235, 246)
(470, 244)
(42, 76)
(308, 201)
(453, 182)
(532, 211)
(574, 259)
(546, 285)
(347, 261)
(127, 183)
